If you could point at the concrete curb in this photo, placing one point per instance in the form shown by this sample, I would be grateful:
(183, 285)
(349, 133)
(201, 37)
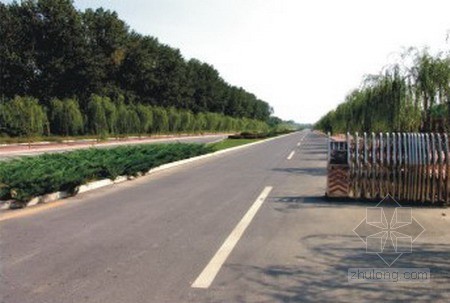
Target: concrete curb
(51, 197)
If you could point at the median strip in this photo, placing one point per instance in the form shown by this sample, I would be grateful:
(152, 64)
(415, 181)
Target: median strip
(58, 192)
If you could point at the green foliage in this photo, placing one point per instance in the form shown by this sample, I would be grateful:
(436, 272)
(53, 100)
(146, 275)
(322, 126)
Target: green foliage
(96, 115)
(403, 98)
(145, 116)
(200, 122)
(22, 116)
(65, 117)
(50, 50)
(174, 120)
(111, 114)
(24, 178)
(161, 120)
(91, 75)
(286, 126)
(228, 143)
(187, 121)
(212, 122)
(128, 120)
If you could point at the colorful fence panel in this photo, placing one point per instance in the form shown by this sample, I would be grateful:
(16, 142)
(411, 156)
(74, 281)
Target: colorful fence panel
(407, 166)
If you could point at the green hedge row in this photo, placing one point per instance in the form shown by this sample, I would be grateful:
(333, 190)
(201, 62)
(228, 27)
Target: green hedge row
(263, 135)
(24, 178)
(25, 116)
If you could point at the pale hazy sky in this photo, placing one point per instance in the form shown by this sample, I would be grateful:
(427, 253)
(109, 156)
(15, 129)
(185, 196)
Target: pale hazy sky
(302, 57)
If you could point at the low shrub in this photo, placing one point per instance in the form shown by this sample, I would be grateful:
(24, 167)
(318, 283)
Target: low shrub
(24, 178)
(250, 135)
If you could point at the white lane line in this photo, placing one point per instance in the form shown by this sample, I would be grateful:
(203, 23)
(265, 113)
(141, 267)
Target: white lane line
(298, 144)
(291, 155)
(208, 274)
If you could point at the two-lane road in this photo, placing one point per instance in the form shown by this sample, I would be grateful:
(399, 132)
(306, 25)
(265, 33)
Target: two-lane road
(246, 226)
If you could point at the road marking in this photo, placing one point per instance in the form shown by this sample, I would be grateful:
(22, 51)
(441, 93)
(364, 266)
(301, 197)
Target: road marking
(208, 274)
(298, 144)
(291, 155)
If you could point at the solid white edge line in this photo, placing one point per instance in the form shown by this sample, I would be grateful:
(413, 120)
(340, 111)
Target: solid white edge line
(208, 274)
(291, 155)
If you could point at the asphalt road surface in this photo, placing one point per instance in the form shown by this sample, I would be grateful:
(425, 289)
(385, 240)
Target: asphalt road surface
(246, 226)
(14, 151)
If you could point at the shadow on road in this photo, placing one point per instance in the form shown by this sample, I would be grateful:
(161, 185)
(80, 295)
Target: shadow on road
(318, 202)
(313, 158)
(313, 151)
(321, 274)
(313, 171)
(318, 271)
(296, 202)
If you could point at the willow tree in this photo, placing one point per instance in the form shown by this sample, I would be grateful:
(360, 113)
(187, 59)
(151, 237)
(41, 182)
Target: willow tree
(145, 115)
(161, 120)
(23, 116)
(186, 121)
(431, 80)
(65, 117)
(402, 98)
(96, 116)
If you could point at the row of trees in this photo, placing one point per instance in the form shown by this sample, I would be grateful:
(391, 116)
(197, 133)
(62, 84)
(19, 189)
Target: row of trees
(24, 116)
(412, 95)
(51, 50)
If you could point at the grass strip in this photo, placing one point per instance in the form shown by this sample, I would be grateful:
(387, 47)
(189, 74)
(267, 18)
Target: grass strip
(228, 143)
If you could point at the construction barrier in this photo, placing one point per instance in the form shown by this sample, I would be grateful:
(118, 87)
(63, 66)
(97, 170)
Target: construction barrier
(407, 166)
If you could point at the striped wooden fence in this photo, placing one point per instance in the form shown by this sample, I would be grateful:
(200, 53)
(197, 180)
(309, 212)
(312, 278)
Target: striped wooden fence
(408, 166)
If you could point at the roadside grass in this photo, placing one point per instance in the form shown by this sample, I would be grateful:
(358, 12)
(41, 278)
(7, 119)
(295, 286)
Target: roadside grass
(245, 138)
(228, 143)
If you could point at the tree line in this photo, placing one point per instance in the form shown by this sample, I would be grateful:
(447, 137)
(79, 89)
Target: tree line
(25, 116)
(51, 51)
(411, 95)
